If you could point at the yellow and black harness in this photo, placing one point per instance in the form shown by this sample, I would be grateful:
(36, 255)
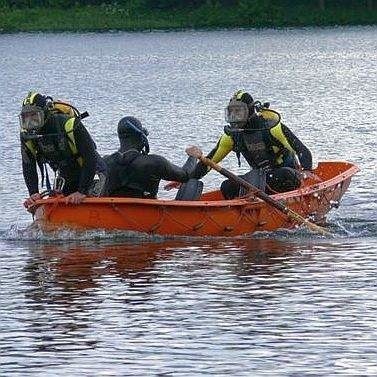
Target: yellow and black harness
(263, 146)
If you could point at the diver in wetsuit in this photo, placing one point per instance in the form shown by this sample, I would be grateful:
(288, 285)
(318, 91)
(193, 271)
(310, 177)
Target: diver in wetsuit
(50, 136)
(133, 172)
(275, 155)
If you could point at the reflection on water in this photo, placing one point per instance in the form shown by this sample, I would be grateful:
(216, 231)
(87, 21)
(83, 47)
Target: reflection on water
(224, 307)
(77, 268)
(67, 284)
(80, 268)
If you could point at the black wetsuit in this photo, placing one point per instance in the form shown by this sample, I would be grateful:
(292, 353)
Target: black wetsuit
(136, 175)
(77, 178)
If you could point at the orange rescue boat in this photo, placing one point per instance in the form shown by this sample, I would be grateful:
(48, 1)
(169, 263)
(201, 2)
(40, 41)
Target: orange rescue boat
(209, 216)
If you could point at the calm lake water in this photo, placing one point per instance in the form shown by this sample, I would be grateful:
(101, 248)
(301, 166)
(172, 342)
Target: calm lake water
(278, 304)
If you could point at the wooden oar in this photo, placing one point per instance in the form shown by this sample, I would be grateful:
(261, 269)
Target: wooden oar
(262, 195)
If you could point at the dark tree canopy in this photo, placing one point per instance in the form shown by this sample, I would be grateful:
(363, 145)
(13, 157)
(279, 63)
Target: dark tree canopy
(176, 4)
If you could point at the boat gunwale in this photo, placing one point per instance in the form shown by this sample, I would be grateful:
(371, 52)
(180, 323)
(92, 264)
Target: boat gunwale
(342, 176)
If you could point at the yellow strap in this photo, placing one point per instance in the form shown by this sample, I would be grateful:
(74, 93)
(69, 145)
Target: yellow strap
(68, 127)
(30, 145)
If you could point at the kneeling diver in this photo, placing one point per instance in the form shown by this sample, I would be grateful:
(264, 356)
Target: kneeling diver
(133, 172)
(270, 148)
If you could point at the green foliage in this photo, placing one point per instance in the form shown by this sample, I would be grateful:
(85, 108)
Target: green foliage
(129, 4)
(172, 4)
(260, 12)
(53, 3)
(71, 15)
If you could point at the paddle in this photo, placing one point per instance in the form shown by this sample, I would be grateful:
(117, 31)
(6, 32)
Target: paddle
(262, 195)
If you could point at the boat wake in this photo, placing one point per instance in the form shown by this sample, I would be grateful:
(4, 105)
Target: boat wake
(339, 228)
(354, 228)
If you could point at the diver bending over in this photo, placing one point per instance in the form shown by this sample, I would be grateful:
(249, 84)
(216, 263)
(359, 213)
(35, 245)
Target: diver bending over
(50, 136)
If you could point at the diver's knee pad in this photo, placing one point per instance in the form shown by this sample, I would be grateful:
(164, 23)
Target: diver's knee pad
(283, 179)
(230, 189)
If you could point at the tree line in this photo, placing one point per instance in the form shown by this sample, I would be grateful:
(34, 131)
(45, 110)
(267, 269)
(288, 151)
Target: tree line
(184, 4)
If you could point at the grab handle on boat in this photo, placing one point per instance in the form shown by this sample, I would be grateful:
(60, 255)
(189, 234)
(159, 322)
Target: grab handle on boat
(262, 195)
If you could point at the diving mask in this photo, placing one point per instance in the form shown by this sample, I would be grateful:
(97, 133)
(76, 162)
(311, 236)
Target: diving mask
(236, 112)
(31, 118)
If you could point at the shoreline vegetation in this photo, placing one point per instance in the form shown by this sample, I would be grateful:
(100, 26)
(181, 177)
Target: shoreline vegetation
(144, 15)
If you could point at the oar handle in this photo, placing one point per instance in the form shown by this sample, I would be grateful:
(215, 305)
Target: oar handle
(262, 195)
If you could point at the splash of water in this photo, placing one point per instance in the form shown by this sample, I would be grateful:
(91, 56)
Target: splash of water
(22, 231)
(33, 232)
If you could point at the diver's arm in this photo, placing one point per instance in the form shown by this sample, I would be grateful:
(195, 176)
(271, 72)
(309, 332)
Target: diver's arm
(29, 170)
(223, 147)
(86, 149)
(167, 170)
(303, 153)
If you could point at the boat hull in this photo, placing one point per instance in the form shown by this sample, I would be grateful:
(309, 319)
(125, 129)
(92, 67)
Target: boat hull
(210, 216)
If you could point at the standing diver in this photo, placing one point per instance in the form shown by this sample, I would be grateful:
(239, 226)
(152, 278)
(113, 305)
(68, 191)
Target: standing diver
(55, 137)
(133, 172)
(273, 152)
